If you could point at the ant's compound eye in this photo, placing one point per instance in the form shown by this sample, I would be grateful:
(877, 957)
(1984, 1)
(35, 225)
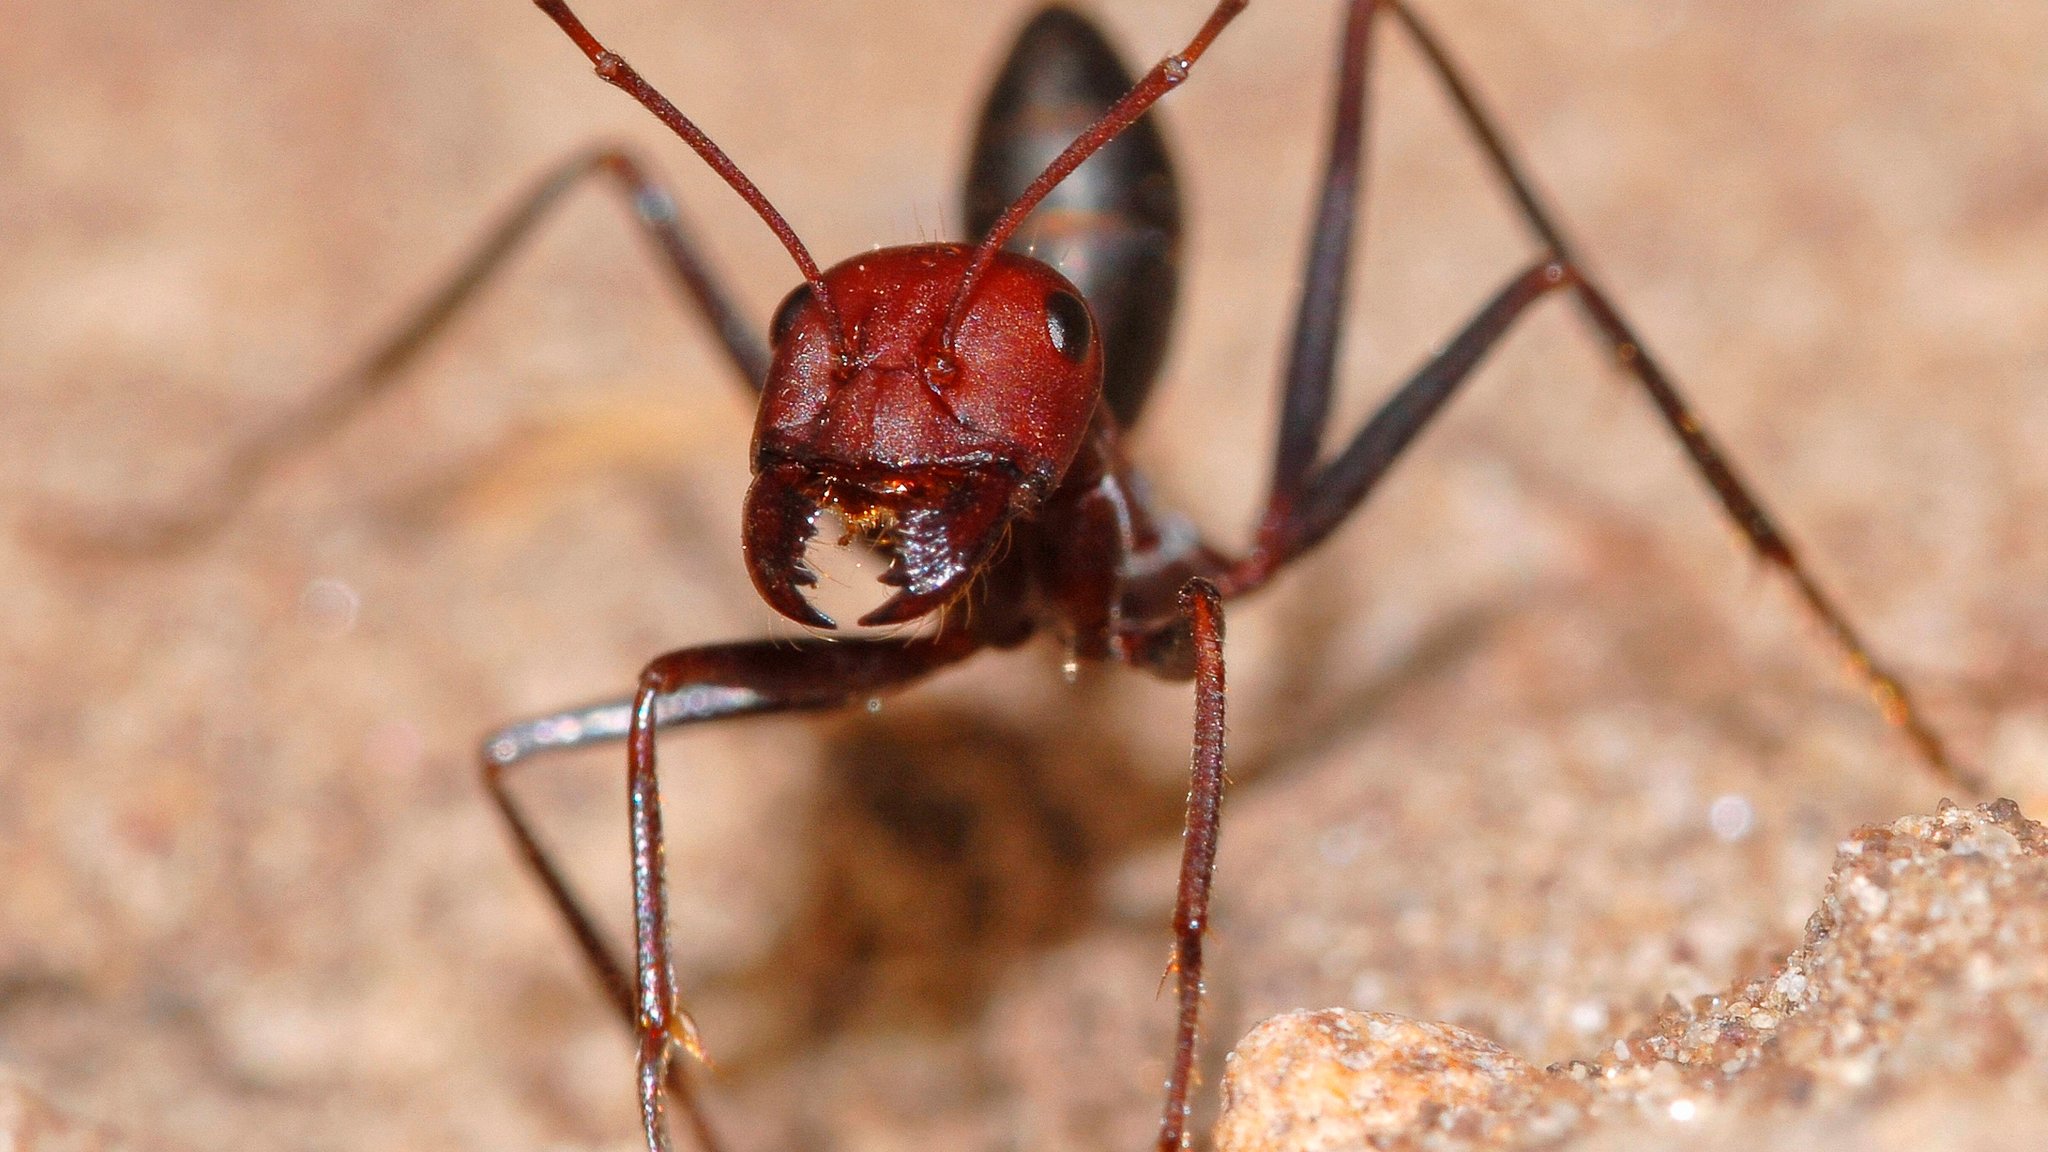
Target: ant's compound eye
(786, 313)
(1066, 321)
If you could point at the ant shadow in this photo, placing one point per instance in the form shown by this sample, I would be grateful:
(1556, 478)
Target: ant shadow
(948, 847)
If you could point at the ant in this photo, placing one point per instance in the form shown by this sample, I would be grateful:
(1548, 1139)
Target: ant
(959, 410)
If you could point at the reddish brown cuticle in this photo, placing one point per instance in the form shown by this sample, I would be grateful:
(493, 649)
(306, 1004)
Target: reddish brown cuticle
(981, 433)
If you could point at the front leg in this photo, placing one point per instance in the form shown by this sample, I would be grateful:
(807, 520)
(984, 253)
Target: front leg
(1202, 607)
(690, 686)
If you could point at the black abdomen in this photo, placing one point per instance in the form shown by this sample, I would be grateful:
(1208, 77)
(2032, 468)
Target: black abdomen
(1113, 227)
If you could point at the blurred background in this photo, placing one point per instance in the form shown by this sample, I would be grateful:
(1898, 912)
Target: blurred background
(1530, 745)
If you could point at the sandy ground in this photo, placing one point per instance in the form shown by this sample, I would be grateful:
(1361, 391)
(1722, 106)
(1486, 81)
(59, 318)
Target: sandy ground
(1530, 747)
(1911, 1015)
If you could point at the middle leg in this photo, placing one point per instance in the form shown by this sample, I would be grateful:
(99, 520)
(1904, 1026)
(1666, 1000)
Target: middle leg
(1202, 608)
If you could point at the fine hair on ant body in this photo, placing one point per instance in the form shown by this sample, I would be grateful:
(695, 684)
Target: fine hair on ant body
(960, 409)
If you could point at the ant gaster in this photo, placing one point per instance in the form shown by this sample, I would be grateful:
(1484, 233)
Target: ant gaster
(960, 410)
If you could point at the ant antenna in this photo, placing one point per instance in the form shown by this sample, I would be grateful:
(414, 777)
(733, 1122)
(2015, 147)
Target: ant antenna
(613, 69)
(1164, 77)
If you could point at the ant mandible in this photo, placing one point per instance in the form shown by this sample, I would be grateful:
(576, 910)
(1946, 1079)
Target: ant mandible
(960, 410)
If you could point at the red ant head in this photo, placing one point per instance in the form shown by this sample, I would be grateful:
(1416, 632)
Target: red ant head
(929, 394)
(924, 451)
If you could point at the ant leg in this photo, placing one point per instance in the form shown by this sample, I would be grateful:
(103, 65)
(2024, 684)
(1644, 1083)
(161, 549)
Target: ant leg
(1336, 488)
(1202, 606)
(1326, 280)
(577, 728)
(1736, 496)
(687, 687)
(1340, 486)
(654, 212)
(1305, 502)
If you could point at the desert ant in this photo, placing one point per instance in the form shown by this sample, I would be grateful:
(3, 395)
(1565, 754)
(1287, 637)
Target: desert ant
(959, 408)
